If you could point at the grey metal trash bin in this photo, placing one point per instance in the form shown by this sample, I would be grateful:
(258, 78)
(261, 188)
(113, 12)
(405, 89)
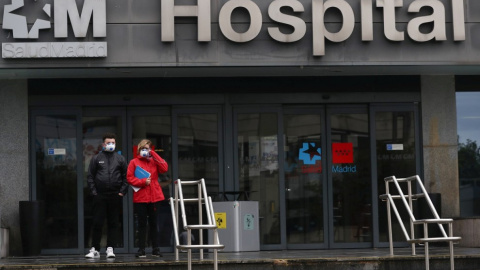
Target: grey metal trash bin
(32, 218)
(238, 225)
(4, 243)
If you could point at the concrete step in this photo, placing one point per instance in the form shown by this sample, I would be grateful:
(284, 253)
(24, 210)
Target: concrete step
(345, 259)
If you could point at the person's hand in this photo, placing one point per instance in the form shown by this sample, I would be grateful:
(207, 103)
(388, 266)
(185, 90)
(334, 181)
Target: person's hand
(148, 181)
(120, 194)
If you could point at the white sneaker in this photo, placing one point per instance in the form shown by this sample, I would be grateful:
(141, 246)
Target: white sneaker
(110, 253)
(92, 254)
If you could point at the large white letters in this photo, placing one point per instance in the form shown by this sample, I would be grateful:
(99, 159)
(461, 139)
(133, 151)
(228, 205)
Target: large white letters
(68, 8)
(225, 20)
(318, 25)
(367, 20)
(389, 18)
(458, 10)
(202, 12)
(319, 31)
(437, 17)
(93, 12)
(299, 26)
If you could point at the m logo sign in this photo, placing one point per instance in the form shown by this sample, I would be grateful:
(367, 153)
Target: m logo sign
(65, 11)
(342, 153)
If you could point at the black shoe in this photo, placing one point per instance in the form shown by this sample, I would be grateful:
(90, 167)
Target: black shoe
(141, 253)
(156, 252)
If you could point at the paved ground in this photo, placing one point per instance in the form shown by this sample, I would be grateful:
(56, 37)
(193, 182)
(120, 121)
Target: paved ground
(234, 260)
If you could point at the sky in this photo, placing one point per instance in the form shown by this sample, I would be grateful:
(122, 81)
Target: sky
(468, 116)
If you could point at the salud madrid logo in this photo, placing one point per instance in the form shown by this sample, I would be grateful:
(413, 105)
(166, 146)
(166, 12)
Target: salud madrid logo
(18, 23)
(311, 155)
(65, 11)
(342, 158)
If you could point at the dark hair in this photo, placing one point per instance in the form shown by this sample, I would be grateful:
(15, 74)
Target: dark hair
(108, 135)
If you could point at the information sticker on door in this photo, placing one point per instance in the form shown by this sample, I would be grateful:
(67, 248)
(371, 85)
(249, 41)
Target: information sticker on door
(221, 219)
(394, 147)
(248, 222)
(57, 151)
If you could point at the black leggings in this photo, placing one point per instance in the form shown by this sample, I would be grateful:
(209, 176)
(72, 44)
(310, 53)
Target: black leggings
(146, 211)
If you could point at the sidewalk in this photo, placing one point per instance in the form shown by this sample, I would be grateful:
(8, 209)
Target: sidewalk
(351, 259)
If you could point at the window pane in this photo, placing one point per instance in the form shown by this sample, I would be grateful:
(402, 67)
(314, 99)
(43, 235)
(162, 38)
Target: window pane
(468, 121)
(198, 158)
(56, 175)
(304, 179)
(395, 135)
(352, 196)
(198, 149)
(258, 164)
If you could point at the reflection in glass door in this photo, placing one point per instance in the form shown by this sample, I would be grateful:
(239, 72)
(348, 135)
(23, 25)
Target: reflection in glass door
(197, 152)
(257, 150)
(55, 172)
(95, 123)
(350, 174)
(396, 148)
(130, 126)
(154, 124)
(304, 179)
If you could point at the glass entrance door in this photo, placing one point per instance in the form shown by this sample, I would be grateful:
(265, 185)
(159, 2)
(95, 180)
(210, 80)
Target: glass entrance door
(197, 148)
(258, 153)
(95, 123)
(320, 195)
(130, 125)
(396, 147)
(305, 175)
(55, 169)
(335, 160)
(154, 124)
(316, 171)
(327, 174)
(350, 179)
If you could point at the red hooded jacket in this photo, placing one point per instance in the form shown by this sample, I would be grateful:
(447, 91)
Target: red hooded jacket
(155, 165)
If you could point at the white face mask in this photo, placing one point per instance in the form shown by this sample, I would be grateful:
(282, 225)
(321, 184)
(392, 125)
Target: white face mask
(144, 152)
(110, 147)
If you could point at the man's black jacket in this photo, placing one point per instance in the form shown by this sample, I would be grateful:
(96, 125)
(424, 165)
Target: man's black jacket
(107, 174)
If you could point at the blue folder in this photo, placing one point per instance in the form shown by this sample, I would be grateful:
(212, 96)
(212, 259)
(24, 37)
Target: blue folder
(140, 173)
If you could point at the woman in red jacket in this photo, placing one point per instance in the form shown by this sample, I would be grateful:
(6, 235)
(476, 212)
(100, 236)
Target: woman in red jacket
(148, 193)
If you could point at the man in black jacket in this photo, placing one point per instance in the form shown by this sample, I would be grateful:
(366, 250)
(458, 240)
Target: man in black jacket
(108, 184)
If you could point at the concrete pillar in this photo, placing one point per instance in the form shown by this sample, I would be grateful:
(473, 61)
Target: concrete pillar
(14, 154)
(439, 129)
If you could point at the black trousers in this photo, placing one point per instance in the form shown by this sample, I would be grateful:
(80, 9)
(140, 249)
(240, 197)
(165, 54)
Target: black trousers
(147, 211)
(110, 207)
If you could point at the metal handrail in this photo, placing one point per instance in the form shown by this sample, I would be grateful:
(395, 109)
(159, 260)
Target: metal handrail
(202, 199)
(413, 221)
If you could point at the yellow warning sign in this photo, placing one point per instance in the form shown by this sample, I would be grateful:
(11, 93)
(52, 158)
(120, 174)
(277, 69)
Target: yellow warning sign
(221, 219)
